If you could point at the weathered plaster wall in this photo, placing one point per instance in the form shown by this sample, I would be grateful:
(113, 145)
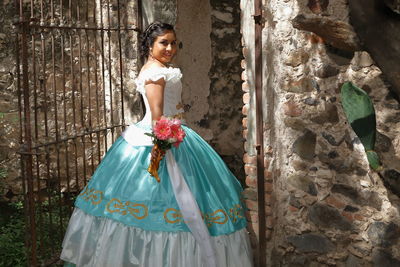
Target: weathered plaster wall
(328, 208)
(159, 10)
(209, 56)
(193, 28)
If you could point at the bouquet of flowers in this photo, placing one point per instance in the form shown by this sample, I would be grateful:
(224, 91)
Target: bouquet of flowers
(166, 133)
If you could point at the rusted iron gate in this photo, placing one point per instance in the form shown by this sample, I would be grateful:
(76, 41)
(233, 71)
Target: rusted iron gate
(72, 58)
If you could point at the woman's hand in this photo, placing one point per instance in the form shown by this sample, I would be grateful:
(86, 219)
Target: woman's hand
(155, 153)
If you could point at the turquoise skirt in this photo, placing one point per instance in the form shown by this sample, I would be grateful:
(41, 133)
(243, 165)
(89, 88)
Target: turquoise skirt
(121, 188)
(124, 217)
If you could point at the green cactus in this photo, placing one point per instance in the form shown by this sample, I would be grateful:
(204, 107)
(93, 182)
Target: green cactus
(360, 114)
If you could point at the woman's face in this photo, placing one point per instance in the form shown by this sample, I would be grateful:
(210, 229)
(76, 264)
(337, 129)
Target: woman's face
(164, 47)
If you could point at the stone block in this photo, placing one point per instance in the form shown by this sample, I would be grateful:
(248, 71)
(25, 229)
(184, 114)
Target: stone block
(303, 183)
(334, 202)
(391, 178)
(249, 159)
(383, 234)
(292, 109)
(295, 123)
(297, 58)
(251, 204)
(326, 71)
(250, 193)
(299, 86)
(329, 115)
(251, 181)
(328, 217)
(250, 170)
(304, 146)
(383, 258)
(311, 243)
(246, 98)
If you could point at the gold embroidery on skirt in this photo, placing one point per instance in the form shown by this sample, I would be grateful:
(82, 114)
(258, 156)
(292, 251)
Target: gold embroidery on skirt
(176, 215)
(171, 215)
(90, 194)
(134, 209)
(219, 216)
(236, 213)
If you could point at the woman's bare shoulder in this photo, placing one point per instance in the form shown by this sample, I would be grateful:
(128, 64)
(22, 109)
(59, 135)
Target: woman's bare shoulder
(151, 65)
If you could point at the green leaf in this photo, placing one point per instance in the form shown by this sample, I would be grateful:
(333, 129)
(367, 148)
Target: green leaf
(373, 160)
(360, 113)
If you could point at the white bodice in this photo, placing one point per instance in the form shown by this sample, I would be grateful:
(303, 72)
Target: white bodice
(172, 91)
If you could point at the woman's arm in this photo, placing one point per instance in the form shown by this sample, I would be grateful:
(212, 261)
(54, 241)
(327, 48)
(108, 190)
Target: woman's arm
(155, 96)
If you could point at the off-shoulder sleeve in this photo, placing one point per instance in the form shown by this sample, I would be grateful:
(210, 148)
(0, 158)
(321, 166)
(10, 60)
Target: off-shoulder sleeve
(155, 74)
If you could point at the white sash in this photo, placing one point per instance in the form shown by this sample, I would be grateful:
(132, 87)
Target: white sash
(191, 212)
(186, 201)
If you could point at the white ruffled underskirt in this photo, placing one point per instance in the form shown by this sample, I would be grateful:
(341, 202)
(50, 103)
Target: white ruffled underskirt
(102, 242)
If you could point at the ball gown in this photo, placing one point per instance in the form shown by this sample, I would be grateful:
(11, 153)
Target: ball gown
(193, 217)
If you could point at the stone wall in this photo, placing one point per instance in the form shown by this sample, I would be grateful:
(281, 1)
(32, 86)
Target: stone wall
(9, 117)
(209, 56)
(324, 205)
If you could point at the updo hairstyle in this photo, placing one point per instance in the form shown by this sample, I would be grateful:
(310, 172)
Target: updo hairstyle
(150, 34)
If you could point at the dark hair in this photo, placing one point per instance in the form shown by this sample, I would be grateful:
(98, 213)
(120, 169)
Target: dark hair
(150, 34)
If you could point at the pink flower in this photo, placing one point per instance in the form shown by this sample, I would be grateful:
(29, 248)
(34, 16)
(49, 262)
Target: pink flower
(162, 129)
(179, 135)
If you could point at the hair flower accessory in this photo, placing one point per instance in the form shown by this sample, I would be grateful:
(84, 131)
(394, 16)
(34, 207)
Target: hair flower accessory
(166, 133)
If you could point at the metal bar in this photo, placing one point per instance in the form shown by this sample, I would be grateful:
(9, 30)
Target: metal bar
(139, 21)
(103, 74)
(76, 165)
(259, 134)
(35, 96)
(81, 97)
(97, 94)
(73, 82)
(89, 90)
(94, 12)
(61, 13)
(120, 65)
(32, 11)
(43, 88)
(109, 69)
(87, 12)
(84, 160)
(27, 159)
(70, 12)
(53, 52)
(43, 84)
(41, 13)
(62, 44)
(52, 22)
(68, 175)
(73, 97)
(80, 74)
(49, 194)
(99, 130)
(88, 79)
(39, 203)
(36, 121)
(21, 140)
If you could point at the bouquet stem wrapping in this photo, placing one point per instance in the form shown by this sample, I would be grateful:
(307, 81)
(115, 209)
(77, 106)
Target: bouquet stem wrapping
(155, 162)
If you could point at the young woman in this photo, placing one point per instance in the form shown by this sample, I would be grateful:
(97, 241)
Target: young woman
(193, 217)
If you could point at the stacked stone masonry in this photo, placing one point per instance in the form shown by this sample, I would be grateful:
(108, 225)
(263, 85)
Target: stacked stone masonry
(327, 207)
